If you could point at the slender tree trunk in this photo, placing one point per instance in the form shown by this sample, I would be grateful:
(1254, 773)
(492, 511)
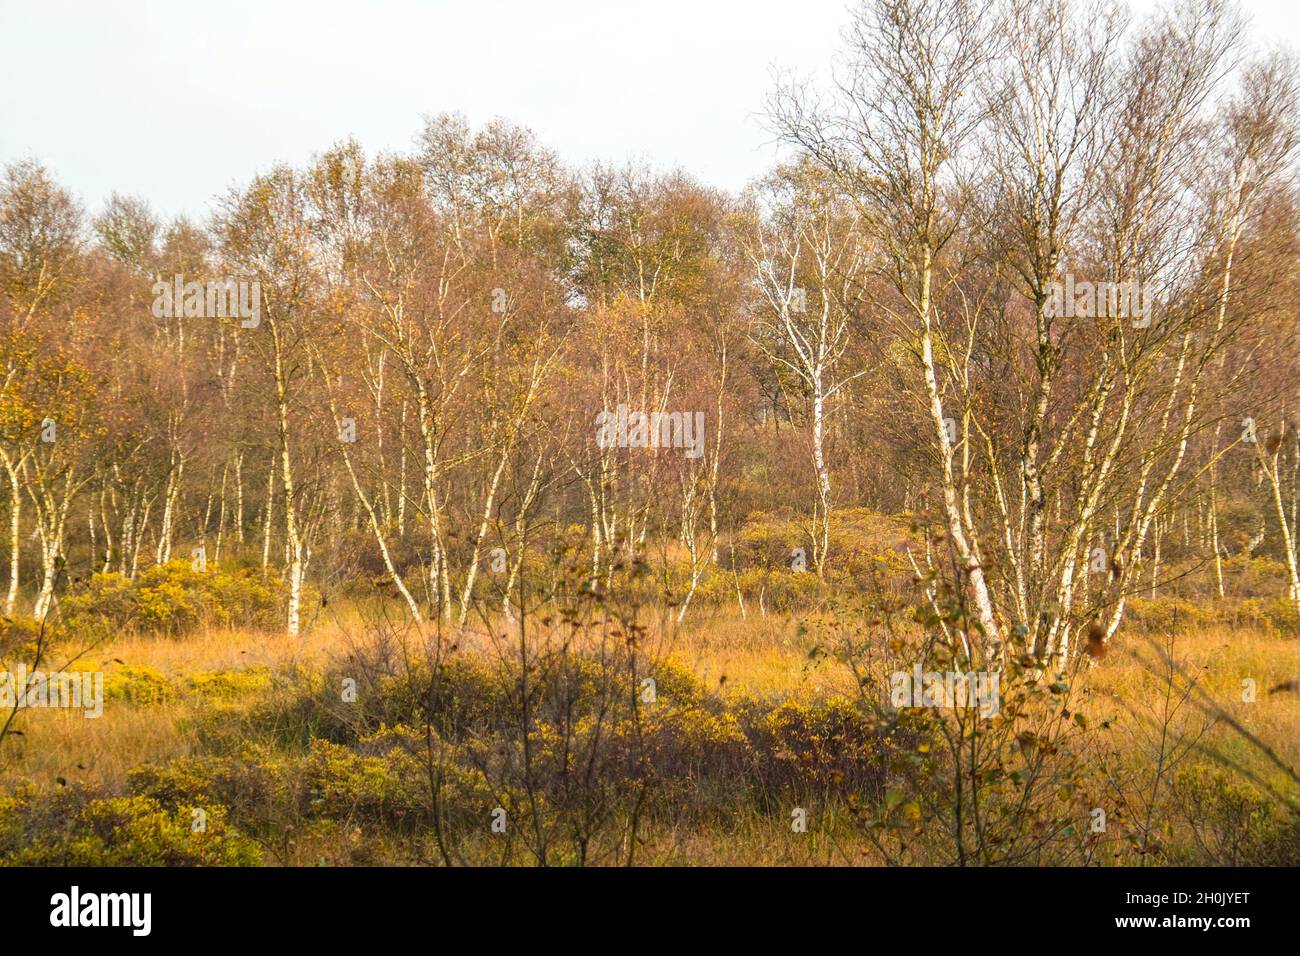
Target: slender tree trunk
(970, 566)
(163, 553)
(267, 515)
(239, 497)
(15, 542)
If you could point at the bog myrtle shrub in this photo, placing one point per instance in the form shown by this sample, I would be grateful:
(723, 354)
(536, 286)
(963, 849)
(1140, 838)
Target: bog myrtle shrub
(174, 599)
(74, 827)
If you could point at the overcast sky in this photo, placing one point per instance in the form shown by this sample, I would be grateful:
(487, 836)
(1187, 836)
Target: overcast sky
(176, 100)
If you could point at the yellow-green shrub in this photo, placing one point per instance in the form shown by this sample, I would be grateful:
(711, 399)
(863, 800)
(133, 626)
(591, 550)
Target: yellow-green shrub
(19, 637)
(228, 686)
(175, 599)
(1231, 823)
(821, 744)
(72, 828)
(138, 685)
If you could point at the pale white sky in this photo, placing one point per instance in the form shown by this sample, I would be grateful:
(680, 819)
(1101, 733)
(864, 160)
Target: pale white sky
(176, 100)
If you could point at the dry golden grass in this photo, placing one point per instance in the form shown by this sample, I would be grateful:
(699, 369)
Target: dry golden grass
(50, 744)
(98, 752)
(759, 656)
(1220, 661)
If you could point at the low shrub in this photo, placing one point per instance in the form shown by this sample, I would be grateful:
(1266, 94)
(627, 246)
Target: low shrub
(1230, 823)
(75, 828)
(174, 599)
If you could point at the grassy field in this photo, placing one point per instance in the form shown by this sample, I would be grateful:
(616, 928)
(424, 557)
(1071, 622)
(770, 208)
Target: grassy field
(755, 720)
